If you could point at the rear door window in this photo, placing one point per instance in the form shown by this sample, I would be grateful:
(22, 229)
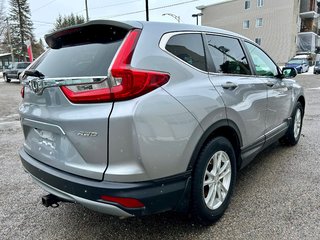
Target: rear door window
(227, 55)
(189, 48)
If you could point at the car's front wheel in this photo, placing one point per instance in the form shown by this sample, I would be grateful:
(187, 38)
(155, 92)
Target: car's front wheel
(6, 79)
(294, 131)
(213, 180)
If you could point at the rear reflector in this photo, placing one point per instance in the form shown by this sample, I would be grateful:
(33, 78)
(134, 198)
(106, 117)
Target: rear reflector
(22, 92)
(125, 202)
(124, 82)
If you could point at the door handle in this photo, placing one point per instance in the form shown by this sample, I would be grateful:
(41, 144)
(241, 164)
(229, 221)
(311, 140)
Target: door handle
(229, 85)
(270, 84)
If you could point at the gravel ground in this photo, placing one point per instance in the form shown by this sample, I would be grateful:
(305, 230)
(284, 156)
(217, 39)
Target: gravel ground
(276, 196)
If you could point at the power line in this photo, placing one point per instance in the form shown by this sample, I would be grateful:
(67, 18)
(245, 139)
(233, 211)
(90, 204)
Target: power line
(111, 5)
(48, 3)
(49, 23)
(150, 9)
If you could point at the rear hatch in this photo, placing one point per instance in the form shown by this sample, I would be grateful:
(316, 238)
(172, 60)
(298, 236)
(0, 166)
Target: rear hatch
(65, 110)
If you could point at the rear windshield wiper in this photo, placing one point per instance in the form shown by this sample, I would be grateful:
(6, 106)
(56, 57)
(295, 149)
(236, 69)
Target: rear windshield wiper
(34, 73)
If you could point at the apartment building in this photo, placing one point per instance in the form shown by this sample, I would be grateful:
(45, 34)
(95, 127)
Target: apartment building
(282, 27)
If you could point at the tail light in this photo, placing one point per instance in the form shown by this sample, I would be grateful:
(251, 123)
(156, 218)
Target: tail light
(124, 82)
(22, 92)
(125, 202)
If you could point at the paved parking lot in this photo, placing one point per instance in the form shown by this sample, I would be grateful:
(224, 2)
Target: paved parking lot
(276, 197)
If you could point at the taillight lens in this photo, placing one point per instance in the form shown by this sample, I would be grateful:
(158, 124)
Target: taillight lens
(125, 202)
(22, 92)
(124, 82)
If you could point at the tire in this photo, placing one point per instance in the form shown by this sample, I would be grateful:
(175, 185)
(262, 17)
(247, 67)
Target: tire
(206, 209)
(294, 131)
(6, 79)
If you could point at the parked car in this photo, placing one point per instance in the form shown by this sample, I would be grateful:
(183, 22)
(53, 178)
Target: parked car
(316, 69)
(301, 65)
(135, 118)
(14, 70)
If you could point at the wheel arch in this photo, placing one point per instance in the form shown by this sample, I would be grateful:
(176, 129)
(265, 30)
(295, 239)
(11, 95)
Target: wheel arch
(225, 128)
(302, 100)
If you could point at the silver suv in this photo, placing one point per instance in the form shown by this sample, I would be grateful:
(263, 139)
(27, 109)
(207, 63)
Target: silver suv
(135, 118)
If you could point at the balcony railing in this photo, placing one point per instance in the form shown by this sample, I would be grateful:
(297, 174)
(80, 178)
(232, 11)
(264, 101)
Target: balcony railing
(308, 6)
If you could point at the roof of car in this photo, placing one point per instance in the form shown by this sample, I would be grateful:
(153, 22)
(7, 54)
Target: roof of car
(154, 26)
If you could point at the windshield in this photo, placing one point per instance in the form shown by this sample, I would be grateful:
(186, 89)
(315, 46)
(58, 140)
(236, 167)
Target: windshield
(295, 61)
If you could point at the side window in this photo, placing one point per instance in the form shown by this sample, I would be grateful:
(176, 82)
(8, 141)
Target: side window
(189, 48)
(264, 66)
(228, 55)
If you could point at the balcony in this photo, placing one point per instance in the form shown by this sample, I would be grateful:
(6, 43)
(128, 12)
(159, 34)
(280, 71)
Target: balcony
(307, 42)
(310, 14)
(309, 25)
(308, 6)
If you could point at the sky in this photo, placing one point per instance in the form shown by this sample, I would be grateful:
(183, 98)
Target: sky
(45, 12)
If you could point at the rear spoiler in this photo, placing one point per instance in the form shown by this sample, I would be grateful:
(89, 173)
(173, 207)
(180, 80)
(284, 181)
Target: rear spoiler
(97, 31)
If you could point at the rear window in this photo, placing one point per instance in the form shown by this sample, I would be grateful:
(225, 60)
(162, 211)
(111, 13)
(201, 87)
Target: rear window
(78, 61)
(80, 52)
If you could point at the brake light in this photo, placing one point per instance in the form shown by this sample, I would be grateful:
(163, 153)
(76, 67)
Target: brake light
(124, 82)
(125, 202)
(22, 92)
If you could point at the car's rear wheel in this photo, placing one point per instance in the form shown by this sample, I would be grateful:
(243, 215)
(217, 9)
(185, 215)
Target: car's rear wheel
(213, 180)
(294, 131)
(6, 79)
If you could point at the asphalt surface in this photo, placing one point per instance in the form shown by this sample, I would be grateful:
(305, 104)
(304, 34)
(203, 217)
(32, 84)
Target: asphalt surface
(276, 197)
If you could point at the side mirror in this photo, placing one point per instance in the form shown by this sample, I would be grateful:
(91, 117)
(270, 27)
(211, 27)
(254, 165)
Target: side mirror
(289, 72)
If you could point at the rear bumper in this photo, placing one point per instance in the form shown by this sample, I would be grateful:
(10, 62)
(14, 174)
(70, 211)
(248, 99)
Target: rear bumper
(157, 196)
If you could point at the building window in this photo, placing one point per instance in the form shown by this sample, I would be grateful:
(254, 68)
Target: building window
(247, 4)
(260, 3)
(259, 22)
(258, 41)
(246, 24)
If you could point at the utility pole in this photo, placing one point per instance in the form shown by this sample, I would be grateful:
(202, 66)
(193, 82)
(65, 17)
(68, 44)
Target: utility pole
(9, 39)
(87, 13)
(147, 10)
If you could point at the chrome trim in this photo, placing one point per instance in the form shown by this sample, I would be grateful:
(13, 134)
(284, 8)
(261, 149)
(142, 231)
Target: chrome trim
(37, 85)
(96, 206)
(30, 122)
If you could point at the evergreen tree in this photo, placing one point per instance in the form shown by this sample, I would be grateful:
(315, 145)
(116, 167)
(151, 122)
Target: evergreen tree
(21, 26)
(3, 28)
(37, 48)
(66, 21)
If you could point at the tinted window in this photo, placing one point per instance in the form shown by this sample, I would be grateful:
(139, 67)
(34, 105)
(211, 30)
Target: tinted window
(23, 65)
(227, 55)
(78, 61)
(264, 66)
(189, 48)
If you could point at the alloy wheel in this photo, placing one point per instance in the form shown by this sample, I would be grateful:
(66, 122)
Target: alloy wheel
(216, 180)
